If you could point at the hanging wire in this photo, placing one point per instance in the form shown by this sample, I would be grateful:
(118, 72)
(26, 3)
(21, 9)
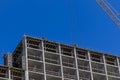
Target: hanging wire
(74, 20)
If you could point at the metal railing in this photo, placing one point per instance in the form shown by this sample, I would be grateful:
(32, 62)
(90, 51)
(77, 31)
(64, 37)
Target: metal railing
(68, 64)
(33, 46)
(34, 69)
(52, 60)
(83, 78)
(51, 72)
(69, 76)
(98, 70)
(34, 57)
(83, 67)
(113, 73)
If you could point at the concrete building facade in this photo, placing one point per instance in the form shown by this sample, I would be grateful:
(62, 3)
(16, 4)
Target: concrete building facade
(40, 59)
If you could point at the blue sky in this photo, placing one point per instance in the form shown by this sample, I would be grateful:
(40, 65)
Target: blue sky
(66, 21)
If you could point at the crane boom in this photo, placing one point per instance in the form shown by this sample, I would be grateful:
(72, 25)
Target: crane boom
(110, 11)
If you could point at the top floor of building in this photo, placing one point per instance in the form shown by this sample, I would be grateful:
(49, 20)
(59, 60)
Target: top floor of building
(41, 44)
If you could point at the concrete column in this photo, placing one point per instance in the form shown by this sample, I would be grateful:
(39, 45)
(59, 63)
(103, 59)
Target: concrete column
(43, 53)
(76, 63)
(9, 73)
(105, 66)
(26, 58)
(118, 63)
(61, 62)
(90, 65)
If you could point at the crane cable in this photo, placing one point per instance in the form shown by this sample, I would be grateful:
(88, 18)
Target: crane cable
(73, 17)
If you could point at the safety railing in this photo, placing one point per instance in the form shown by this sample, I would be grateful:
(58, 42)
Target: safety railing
(51, 72)
(34, 57)
(83, 78)
(113, 73)
(32, 45)
(98, 70)
(34, 69)
(17, 77)
(83, 67)
(52, 60)
(68, 64)
(69, 76)
(81, 56)
(4, 75)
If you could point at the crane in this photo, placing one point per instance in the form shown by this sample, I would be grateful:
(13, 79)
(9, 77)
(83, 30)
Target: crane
(110, 11)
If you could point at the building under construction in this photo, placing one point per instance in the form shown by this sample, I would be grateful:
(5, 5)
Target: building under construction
(40, 59)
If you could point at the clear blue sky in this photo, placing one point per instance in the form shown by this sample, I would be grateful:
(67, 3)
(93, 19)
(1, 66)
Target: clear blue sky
(66, 21)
